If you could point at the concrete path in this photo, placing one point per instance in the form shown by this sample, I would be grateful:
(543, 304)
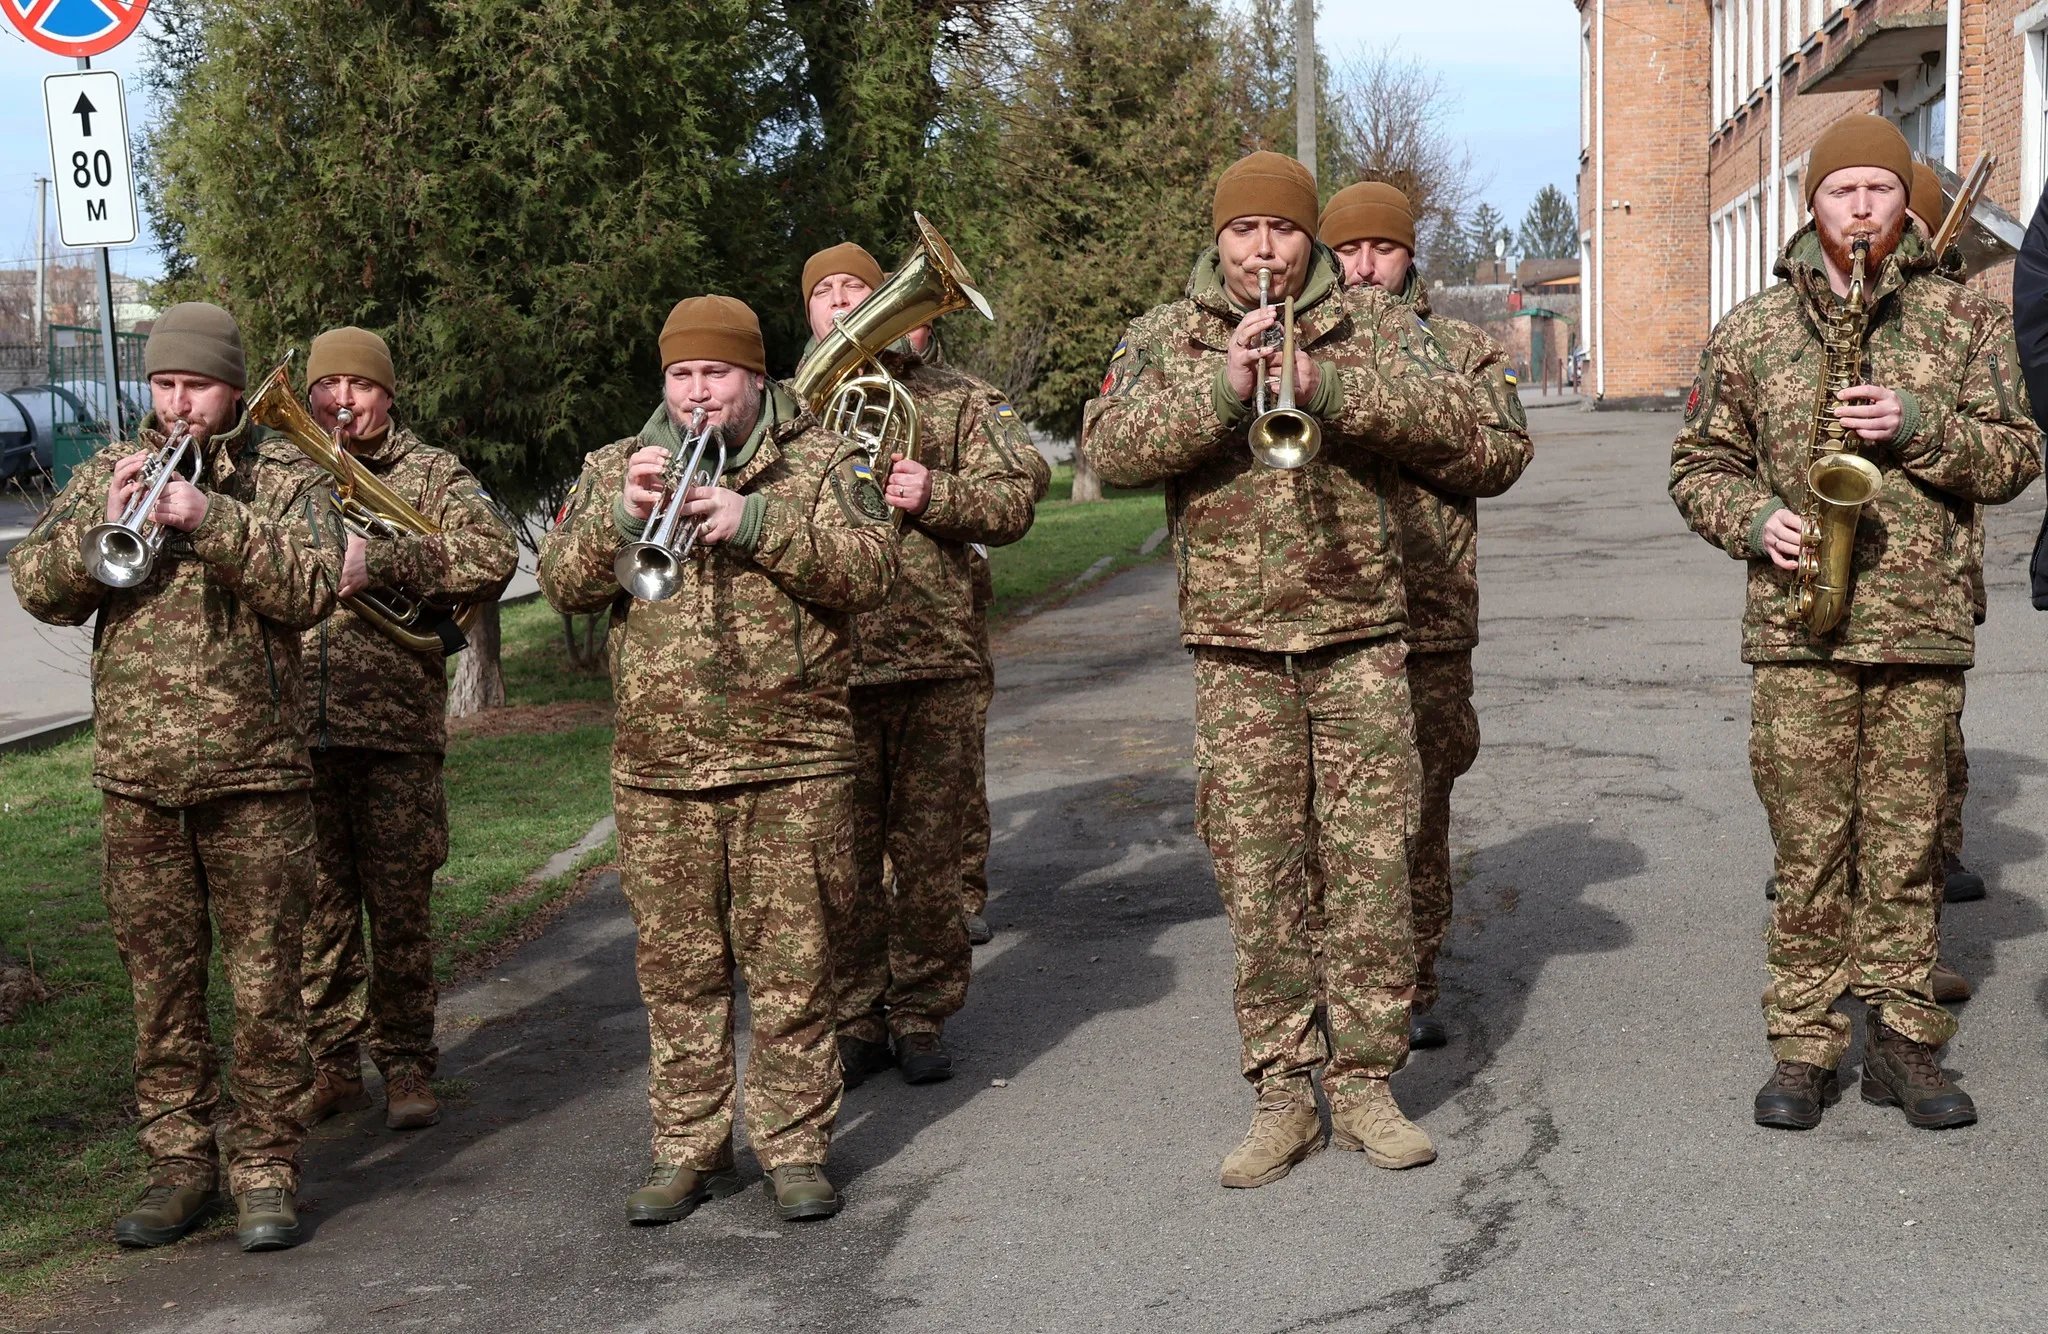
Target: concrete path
(1599, 1168)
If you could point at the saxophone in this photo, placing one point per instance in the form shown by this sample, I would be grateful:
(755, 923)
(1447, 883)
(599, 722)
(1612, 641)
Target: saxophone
(1838, 481)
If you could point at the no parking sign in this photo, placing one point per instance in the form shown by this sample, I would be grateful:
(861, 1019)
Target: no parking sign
(75, 27)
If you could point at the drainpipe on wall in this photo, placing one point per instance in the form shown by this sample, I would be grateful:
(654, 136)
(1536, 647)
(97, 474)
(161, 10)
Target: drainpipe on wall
(1600, 202)
(1952, 90)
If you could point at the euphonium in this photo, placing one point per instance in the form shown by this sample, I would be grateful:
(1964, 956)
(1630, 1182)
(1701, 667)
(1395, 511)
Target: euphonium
(842, 379)
(652, 568)
(121, 554)
(1284, 437)
(1838, 481)
(369, 509)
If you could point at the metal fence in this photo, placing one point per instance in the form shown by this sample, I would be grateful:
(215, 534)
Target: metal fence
(77, 372)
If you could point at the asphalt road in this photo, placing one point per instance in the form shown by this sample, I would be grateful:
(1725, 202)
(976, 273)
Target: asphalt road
(1599, 1170)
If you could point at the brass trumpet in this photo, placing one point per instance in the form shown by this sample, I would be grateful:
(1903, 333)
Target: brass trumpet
(1284, 437)
(121, 554)
(369, 509)
(652, 568)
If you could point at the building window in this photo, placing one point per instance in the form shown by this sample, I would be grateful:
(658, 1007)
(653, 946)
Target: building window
(1719, 80)
(1585, 88)
(2033, 111)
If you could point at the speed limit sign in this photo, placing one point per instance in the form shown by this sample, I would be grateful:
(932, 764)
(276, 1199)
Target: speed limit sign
(88, 120)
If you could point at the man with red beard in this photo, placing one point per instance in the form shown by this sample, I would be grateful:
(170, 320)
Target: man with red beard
(1848, 726)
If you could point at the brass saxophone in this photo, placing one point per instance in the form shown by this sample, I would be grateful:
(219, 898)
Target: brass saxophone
(1839, 482)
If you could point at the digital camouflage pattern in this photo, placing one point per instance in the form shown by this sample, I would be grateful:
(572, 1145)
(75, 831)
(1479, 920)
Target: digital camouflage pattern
(1968, 439)
(737, 877)
(1440, 526)
(1851, 763)
(1285, 562)
(983, 486)
(1447, 736)
(196, 682)
(899, 941)
(240, 866)
(382, 818)
(366, 690)
(1294, 748)
(1956, 793)
(741, 677)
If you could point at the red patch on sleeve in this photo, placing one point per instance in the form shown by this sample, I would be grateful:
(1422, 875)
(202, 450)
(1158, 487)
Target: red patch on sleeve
(1108, 382)
(1692, 401)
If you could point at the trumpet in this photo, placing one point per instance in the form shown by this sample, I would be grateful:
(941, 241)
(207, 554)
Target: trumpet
(651, 569)
(1284, 437)
(122, 553)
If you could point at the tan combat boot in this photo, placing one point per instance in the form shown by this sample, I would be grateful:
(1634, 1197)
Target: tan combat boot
(336, 1089)
(1948, 985)
(408, 1103)
(1375, 1124)
(1285, 1130)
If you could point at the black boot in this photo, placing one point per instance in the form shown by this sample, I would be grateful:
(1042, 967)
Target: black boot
(1771, 886)
(1899, 1072)
(922, 1058)
(1426, 1031)
(1795, 1096)
(1959, 884)
(859, 1058)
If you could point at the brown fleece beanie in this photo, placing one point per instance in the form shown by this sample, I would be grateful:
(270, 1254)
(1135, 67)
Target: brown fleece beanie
(847, 258)
(1858, 141)
(1368, 211)
(198, 338)
(1265, 185)
(1925, 197)
(714, 328)
(351, 351)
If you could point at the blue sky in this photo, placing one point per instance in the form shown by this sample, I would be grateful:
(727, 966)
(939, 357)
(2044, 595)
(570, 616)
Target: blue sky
(1510, 65)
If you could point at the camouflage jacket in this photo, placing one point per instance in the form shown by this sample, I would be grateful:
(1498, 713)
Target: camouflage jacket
(195, 671)
(1284, 562)
(741, 677)
(1967, 439)
(983, 489)
(365, 690)
(1440, 526)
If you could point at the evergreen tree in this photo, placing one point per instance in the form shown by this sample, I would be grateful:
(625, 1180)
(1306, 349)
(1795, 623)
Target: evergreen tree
(1484, 229)
(1550, 229)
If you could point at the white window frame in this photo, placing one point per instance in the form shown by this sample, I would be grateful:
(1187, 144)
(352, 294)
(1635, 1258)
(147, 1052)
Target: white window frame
(2031, 25)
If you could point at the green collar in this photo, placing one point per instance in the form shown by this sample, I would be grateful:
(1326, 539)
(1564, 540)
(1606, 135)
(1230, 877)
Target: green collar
(1205, 284)
(1805, 267)
(778, 405)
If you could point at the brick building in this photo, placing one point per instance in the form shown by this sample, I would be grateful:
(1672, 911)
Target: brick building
(1695, 121)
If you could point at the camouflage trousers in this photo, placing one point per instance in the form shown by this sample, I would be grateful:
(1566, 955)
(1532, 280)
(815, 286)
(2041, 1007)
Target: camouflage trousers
(724, 878)
(974, 824)
(1958, 783)
(1851, 763)
(1310, 757)
(1447, 735)
(383, 832)
(243, 866)
(899, 941)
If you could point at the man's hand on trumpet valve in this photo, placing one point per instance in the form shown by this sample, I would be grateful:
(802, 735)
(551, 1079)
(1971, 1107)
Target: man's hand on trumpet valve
(643, 480)
(910, 485)
(355, 567)
(717, 511)
(1249, 356)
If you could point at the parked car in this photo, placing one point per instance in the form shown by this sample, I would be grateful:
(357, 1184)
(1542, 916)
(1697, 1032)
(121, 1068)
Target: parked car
(17, 439)
(48, 407)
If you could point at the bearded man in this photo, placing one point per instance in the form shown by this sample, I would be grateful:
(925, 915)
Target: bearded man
(1848, 726)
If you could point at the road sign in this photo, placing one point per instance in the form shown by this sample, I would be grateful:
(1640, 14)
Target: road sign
(88, 120)
(75, 27)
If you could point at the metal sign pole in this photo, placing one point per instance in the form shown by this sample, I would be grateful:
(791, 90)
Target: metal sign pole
(110, 360)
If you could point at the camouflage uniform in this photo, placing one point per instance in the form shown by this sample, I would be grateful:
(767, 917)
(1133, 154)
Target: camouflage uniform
(201, 753)
(1848, 731)
(1291, 600)
(1440, 572)
(730, 771)
(378, 732)
(1958, 758)
(901, 950)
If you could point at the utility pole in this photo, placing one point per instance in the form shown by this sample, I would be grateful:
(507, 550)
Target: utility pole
(42, 257)
(1305, 83)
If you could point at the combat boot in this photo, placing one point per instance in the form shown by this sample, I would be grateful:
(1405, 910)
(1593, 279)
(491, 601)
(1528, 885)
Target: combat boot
(1771, 886)
(1959, 884)
(979, 932)
(922, 1058)
(266, 1219)
(1899, 1072)
(166, 1213)
(336, 1089)
(1285, 1129)
(859, 1058)
(1426, 1031)
(1375, 1124)
(671, 1193)
(1796, 1094)
(801, 1191)
(1948, 985)
(408, 1103)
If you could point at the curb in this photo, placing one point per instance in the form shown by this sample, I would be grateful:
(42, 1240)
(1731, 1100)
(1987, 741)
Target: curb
(49, 734)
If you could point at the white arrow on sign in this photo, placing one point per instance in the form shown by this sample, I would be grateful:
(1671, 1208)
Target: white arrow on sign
(88, 119)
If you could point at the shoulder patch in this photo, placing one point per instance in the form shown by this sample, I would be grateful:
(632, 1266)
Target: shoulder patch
(568, 501)
(858, 492)
(1699, 402)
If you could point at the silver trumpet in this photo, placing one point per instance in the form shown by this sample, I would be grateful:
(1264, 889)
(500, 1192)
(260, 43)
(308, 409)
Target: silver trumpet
(1284, 437)
(122, 553)
(652, 568)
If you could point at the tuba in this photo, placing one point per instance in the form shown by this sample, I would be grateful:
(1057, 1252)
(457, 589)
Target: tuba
(121, 554)
(369, 509)
(1282, 437)
(842, 379)
(1838, 481)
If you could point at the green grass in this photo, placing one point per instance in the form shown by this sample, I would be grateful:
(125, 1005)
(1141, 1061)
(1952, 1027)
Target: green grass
(68, 1157)
(1067, 539)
